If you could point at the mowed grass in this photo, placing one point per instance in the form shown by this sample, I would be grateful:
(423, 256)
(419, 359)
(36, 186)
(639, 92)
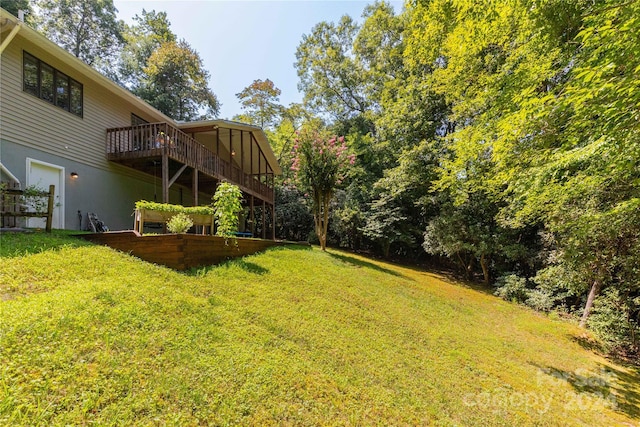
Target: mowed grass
(293, 336)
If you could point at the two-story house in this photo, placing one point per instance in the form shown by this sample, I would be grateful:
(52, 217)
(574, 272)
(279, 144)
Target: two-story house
(64, 123)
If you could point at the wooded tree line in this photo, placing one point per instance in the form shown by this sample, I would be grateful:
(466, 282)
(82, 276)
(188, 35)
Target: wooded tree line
(502, 138)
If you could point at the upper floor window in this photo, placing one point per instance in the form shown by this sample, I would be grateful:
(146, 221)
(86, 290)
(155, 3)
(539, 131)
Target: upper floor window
(137, 120)
(42, 80)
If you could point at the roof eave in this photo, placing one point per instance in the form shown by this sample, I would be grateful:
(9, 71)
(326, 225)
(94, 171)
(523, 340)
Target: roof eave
(78, 65)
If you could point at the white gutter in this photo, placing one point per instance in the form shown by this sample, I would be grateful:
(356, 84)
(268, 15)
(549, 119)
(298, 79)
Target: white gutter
(8, 173)
(10, 37)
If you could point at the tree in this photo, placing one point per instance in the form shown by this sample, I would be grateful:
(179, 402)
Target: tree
(13, 6)
(260, 102)
(89, 30)
(582, 170)
(332, 80)
(320, 163)
(148, 33)
(387, 224)
(294, 220)
(177, 84)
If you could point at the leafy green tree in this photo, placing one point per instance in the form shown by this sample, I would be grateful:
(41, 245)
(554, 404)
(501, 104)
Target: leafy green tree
(149, 31)
(294, 220)
(347, 219)
(332, 80)
(544, 122)
(469, 234)
(387, 224)
(320, 162)
(89, 30)
(582, 171)
(260, 102)
(227, 204)
(176, 83)
(13, 6)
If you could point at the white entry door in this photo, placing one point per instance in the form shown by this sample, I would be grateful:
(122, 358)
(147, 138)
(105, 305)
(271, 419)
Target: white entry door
(42, 175)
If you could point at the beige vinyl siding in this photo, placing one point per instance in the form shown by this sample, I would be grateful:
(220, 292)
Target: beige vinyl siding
(35, 123)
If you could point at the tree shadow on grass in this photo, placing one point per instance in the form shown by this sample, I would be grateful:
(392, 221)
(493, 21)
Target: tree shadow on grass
(245, 265)
(587, 343)
(627, 385)
(250, 267)
(610, 386)
(452, 277)
(362, 263)
(29, 242)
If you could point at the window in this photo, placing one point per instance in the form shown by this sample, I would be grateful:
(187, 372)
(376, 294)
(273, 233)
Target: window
(51, 85)
(137, 120)
(62, 91)
(31, 75)
(76, 98)
(46, 83)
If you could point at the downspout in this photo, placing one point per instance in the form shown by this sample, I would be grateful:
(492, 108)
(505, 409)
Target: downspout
(10, 37)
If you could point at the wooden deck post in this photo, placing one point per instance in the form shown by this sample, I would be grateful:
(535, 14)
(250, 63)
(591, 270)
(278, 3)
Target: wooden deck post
(165, 178)
(242, 157)
(273, 220)
(194, 187)
(264, 219)
(52, 191)
(230, 151)
(253, 217)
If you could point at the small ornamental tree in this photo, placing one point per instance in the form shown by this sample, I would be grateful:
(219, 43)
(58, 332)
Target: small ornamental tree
(319, 164)
(227, 204)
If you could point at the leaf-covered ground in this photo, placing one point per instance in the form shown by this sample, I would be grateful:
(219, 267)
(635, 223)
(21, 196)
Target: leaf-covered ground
(293, 336)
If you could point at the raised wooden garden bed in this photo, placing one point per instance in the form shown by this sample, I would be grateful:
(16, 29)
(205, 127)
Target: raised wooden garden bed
(181, 251)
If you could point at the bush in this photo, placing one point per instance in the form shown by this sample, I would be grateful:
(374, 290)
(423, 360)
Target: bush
(541, 300)
(512, 287)
(560, 286)
(611, 322)
(179, 223)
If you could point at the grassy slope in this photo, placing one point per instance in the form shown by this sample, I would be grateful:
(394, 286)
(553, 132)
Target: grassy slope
(290, 336)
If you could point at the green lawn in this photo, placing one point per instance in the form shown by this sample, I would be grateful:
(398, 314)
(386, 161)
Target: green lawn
(293, 336)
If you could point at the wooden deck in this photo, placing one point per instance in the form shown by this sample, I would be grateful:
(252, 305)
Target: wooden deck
(180, 251)
(144, 147)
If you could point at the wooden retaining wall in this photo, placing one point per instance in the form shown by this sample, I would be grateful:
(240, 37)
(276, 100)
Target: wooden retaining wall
(180, 251)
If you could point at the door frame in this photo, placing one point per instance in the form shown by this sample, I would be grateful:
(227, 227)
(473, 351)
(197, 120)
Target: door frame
(59, 195)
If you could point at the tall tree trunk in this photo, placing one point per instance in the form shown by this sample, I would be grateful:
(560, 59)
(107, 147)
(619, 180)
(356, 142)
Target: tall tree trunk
(325, 222)
(386, 245)
(593, 293)
(485, 268)
(318, 227)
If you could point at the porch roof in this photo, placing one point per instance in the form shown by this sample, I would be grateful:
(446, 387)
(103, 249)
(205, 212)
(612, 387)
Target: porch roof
(258, 133)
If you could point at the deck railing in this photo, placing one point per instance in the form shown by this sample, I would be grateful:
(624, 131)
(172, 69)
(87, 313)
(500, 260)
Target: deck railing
(156, 139)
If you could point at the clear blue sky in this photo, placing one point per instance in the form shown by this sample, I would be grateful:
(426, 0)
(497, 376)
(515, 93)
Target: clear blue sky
(241, 41)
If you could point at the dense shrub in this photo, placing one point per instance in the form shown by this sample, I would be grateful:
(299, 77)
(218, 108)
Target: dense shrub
(513, 288)
(610, 320)
(179, 223)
